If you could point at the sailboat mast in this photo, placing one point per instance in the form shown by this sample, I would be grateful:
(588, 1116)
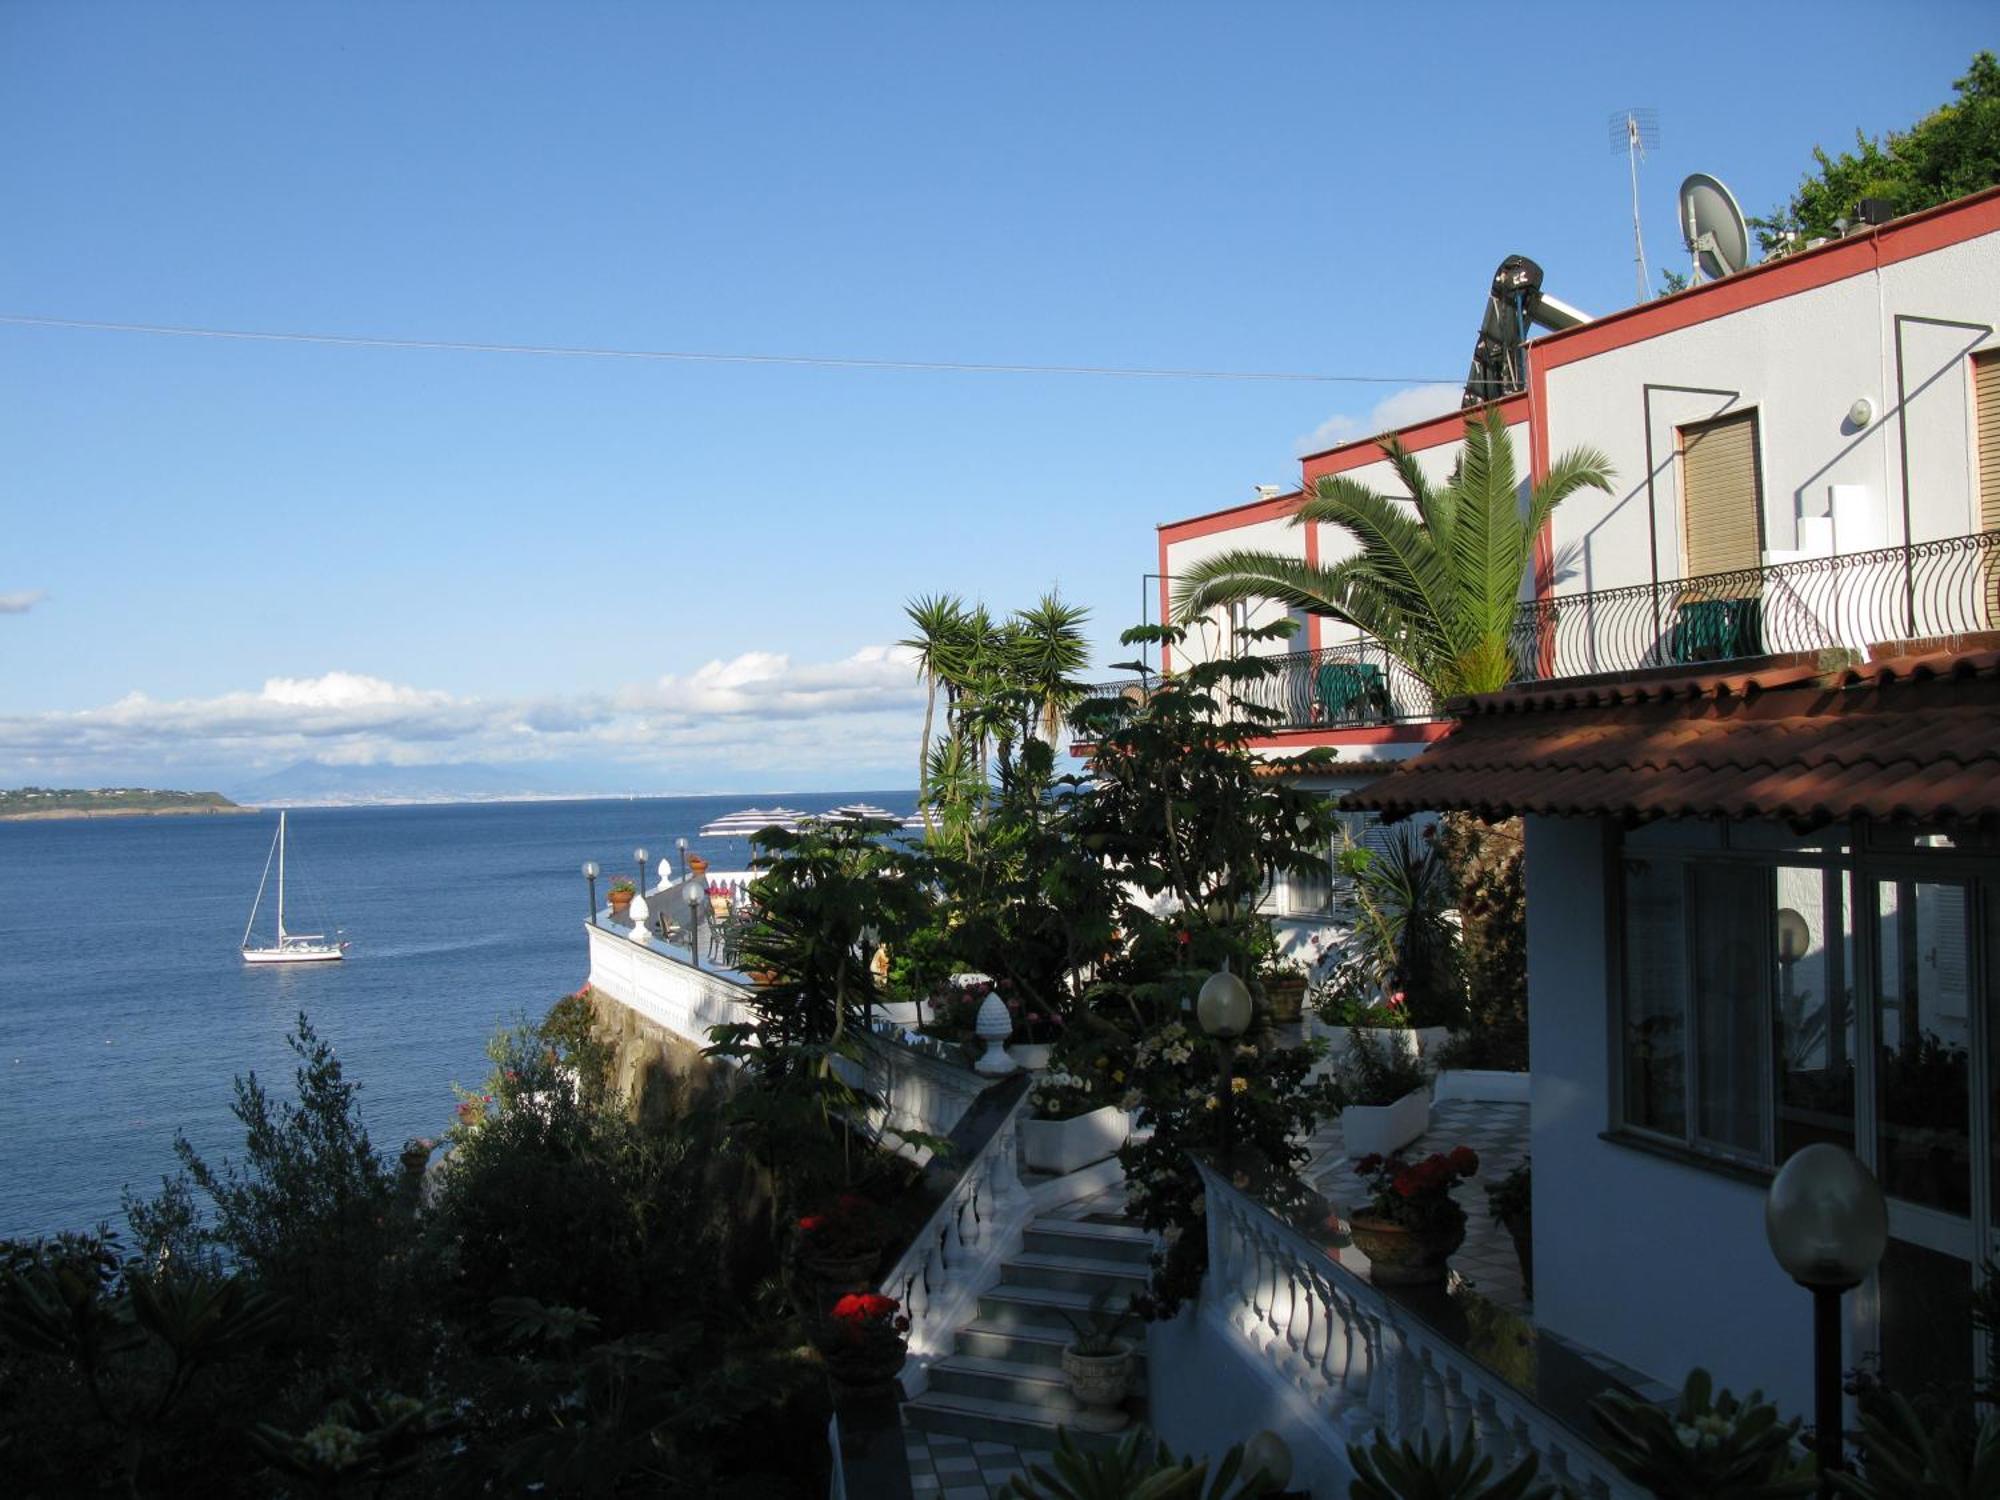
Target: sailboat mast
(281, 878)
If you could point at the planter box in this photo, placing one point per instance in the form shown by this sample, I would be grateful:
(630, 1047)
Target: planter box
(1412, 1041)
(1379, 1129)
(1062, 1146)
(1033, 1056)
(1481, 1083)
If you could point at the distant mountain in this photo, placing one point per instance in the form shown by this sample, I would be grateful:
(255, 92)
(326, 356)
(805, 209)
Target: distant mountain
(108, 802)
(310, 781)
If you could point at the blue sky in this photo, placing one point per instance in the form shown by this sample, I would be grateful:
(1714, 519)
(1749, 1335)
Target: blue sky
(219, 557)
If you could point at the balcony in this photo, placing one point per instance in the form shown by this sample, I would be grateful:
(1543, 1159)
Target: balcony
(1934, 590)
(1354, 685)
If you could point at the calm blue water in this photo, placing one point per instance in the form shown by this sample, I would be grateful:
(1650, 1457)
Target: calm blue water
(125, 1011)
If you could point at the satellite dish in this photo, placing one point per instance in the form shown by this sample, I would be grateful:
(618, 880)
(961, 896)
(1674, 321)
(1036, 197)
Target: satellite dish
(1713, 227)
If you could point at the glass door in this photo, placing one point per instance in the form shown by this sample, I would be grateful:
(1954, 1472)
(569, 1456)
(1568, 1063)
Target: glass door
(1923, 1129)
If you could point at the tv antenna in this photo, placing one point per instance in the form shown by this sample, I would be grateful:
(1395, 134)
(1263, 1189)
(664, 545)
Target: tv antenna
(1635, 132)
(1714, 228)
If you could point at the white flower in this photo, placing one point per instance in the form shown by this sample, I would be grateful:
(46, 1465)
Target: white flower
(333, 1444)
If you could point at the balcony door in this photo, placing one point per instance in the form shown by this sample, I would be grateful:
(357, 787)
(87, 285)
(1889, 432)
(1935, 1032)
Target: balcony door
(1932, 1130)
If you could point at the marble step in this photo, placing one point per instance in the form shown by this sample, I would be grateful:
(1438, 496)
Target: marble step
(1010, 1305)
(987, 1421)
(1032, 1346)
(1126, 1244)
(1075, 1273)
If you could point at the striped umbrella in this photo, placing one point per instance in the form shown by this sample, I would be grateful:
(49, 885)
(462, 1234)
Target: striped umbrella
(741, 825)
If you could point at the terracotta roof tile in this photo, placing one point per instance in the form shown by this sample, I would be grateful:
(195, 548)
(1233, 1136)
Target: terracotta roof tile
(1915, 738)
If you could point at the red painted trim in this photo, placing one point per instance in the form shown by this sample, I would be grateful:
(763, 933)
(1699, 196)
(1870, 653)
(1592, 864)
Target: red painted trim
(1804, 271)
(1418, 436)
(1313, 621)
(1277, 508)
(1374, 734)
(1166, 606)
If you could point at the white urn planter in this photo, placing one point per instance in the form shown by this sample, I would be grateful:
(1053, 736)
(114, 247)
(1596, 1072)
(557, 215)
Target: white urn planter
(1064, 1146)
(1380, 1129)
(1412, 1041)
(1099, 1383)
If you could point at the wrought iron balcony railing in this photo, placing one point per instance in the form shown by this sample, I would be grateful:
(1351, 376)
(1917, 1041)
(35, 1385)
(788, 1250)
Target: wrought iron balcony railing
(1347, 686)
(1929, 590)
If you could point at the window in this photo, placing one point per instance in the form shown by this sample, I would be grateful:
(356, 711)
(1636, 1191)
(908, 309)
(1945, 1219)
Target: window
(1722, 503)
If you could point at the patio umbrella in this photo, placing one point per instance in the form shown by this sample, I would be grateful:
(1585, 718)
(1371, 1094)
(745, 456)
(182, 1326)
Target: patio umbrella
(856, 812)
(741, 825)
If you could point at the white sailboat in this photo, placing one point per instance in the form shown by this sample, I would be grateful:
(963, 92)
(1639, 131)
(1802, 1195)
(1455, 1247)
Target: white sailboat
(292, 947)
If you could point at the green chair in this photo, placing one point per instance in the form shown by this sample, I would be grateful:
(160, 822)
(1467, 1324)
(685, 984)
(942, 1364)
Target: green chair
(1346, 689)
(1715, 630)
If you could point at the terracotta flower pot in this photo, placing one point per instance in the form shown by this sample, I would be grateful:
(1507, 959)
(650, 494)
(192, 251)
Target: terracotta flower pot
(1099, 1383)
(1401, 1256)
(863, 1372)
(620, 900)
(1286, 995)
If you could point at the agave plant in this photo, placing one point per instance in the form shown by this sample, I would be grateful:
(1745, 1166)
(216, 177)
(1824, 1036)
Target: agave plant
(1441, 1471)
(1711, 1446)
(1905, 1457)
(1137, 1469)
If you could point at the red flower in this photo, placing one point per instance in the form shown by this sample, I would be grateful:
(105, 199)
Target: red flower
(1183, 937)
(1464, 1160)
(865, 1307)
(812, 1223)
(1406, 1184)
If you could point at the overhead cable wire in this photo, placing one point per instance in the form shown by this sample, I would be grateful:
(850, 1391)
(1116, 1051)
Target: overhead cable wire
(694, 356)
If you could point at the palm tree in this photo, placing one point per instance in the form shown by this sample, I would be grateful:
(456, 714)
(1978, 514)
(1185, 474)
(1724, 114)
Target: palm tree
(1049, 649)
(1439, 588)
(939, 645)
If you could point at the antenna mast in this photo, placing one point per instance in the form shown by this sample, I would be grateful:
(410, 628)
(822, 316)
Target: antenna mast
(1635, 132)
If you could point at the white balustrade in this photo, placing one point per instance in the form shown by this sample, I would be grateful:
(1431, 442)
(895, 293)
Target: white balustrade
(957, 1254)
(1366, 1362)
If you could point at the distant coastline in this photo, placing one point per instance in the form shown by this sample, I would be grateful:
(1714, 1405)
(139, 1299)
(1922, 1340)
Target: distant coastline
(44, 804)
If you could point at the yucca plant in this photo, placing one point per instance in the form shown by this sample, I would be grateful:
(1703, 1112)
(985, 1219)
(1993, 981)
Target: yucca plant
(1438, 586)
(1424, 1470)
(1710, 1446)
(1906, 1457)
(1137, 1469)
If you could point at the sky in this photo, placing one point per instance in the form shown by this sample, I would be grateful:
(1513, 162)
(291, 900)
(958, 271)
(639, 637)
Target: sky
(220, 557)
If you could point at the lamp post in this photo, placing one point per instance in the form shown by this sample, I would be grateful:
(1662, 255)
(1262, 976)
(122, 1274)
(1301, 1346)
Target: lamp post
(696, 896)
(639, 854)
(590, 874)
(1223, 1008)
(1828, 1226)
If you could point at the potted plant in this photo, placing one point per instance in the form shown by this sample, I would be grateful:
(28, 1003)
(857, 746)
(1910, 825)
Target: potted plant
(622, 891)
(1385, 1098)
(1098, 1364)
(1071, 1126)
(1285, 993)
(865, 1344)
(838, 1247)
(1413, 1224)
(1511, 1201)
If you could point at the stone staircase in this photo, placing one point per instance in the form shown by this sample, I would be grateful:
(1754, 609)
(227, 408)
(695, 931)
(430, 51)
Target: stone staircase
(1003, 1381)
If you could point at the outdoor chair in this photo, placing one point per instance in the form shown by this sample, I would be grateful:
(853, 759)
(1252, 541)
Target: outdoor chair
(1347, 692)
(1715, 630)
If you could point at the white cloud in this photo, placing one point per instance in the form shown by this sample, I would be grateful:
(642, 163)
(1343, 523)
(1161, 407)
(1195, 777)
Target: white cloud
(1417, 403)
(21, 601)
(759, 712)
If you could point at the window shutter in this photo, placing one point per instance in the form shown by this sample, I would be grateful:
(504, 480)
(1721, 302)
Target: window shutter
(1986, 400)
(1722, 507)
(1986, 428)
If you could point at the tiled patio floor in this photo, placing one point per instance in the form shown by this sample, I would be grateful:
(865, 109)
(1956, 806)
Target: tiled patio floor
(1499, 1133)
(955, 1468)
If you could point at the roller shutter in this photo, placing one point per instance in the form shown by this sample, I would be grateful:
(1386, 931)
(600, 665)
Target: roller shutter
(1986, 398)
(1721, 503)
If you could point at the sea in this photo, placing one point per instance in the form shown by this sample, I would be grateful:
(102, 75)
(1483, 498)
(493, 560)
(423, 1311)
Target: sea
(126, 1012)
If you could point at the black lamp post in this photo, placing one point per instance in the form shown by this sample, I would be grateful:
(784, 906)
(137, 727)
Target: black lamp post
(1828, 1226)
(695, 894)
(639, 854)
(590, 874)
(1224, 1009)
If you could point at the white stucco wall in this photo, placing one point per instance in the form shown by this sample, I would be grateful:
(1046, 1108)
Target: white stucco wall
(1661, 1265)
(1258, 536)
(1801, 361)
